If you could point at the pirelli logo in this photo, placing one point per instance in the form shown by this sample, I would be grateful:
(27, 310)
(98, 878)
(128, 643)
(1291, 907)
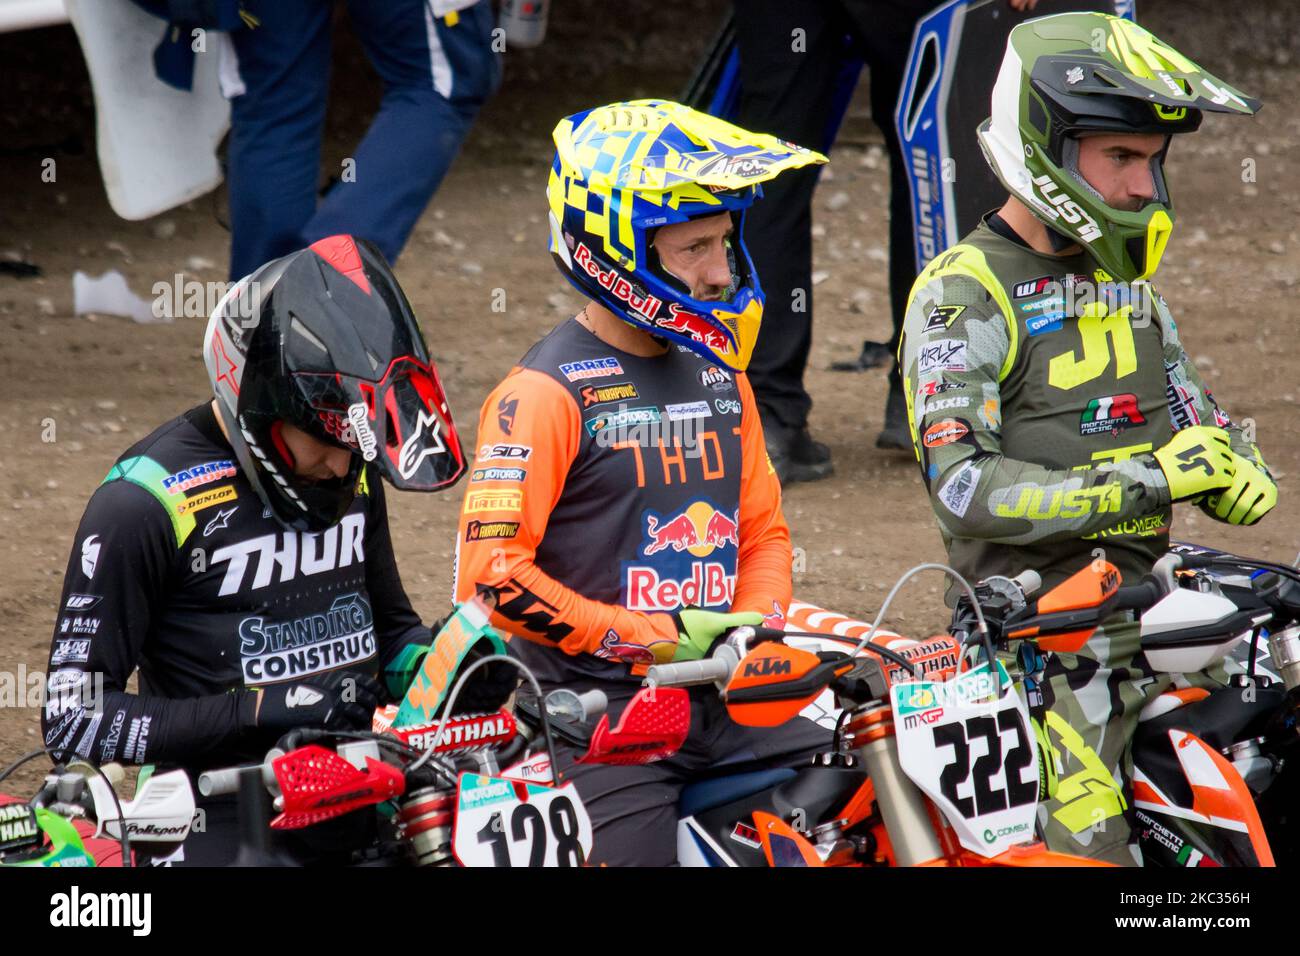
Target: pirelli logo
(207, 499)
(478, 501)
(488, 530)
(597, 394)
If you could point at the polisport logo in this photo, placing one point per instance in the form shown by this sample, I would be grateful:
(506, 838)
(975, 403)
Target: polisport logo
(188, 478)
(945, 433)
(709, 585)
(695, 327)
(637, 298)
(700, 529)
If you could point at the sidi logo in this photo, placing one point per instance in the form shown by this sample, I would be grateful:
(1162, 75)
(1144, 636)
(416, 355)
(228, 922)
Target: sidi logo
(76, 909)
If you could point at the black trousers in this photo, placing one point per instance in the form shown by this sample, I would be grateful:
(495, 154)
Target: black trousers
(633, 810)
(788, 87)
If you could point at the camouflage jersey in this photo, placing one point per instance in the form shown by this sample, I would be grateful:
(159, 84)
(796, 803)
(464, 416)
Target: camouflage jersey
(1037, 390)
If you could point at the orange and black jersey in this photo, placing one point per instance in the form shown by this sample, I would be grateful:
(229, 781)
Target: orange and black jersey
(609, 489)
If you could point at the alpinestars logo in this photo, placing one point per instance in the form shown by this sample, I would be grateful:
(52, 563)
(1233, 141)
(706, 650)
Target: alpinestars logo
(292, 553)
(283, 650)
(416, 449)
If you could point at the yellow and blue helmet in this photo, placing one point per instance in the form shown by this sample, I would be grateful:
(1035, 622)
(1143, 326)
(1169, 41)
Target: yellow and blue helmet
(624, 170)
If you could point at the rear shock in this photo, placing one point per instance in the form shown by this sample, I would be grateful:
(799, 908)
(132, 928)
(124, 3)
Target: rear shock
(424, 819)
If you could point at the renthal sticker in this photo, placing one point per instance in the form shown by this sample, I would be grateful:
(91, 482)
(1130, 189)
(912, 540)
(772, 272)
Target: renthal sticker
(498, 474)
(943, 355)
(708, 585)
(504, 452)
(716, 378)
(945, 433)
(942, 316)
(196, 475)
(360, 420)
(591, 368)
(598, 394)
(687, 410)
(485, 530)
(207, 499)
(636, 297)
(477, 501)
(959, 490)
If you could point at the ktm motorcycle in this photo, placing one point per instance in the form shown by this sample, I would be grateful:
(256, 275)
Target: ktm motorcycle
(928, 772)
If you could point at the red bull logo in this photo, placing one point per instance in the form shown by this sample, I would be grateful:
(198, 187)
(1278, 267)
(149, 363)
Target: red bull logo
(710, 585)
(637, 298)
(688, 323)
(700, 529)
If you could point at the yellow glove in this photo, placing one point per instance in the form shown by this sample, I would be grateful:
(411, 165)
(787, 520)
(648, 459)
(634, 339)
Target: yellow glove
(1251, 495)
(1196, 460)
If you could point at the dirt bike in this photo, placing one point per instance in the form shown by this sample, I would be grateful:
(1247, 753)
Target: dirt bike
(436, 790)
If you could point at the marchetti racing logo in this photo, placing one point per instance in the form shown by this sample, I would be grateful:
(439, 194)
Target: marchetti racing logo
(196, 475)
(283, 650)
(690, 558)
(282, 557)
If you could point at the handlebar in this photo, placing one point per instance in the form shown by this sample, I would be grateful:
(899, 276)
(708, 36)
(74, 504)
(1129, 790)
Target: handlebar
(219, 783)
(711, 670)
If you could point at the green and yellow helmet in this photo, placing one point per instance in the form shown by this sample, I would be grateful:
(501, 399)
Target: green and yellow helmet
(624, 170)
(1069, 75)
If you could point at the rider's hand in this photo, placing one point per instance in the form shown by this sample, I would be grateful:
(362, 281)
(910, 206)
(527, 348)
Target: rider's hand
(1251, 495)
(1196, 460)
(337, 700)
(487, 689)
(698, 631)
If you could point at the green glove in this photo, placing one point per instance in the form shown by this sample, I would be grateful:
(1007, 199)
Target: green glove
(698, 631)
(1251, 495)
(1196, 460)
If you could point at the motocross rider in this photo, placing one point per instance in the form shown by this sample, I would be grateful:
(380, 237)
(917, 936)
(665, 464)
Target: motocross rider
(1054, 411)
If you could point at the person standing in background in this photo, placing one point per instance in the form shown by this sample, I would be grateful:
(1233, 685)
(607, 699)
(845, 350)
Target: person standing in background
(438, 67)
(788, 89)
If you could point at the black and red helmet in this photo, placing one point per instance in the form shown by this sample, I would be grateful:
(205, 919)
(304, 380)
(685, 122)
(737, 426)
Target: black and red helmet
(325, 340)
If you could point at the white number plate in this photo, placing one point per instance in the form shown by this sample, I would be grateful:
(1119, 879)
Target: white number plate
(502, 822)
(973, 754)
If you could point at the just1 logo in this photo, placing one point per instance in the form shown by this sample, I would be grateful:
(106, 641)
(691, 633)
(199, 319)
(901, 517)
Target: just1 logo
(196, 475)
(292, 554)
(1041, 504)
(1110, 414)
(942, 316)
(715, 378)
(637, 298)
(598, 394)
(591, 368)
(1060, 206)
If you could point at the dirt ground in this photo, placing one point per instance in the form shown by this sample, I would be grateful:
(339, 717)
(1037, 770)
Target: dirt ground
(1230, 275)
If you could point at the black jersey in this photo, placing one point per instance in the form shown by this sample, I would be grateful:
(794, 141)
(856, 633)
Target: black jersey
(178, 570)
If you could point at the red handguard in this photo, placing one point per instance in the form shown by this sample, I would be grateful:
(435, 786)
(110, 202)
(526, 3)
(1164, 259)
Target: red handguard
(317, 784)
